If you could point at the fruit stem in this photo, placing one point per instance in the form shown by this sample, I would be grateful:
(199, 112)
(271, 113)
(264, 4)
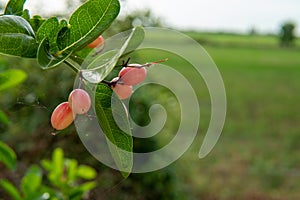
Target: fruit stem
(106, 82)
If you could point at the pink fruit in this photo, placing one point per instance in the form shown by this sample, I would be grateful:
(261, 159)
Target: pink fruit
(124, 70)
(79, 101)
(132, 75)
(62, 116)
(123, 91)
(96, 43)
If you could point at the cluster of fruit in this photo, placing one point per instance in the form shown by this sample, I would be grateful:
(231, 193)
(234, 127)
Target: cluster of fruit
(79, 101)
(128, 77)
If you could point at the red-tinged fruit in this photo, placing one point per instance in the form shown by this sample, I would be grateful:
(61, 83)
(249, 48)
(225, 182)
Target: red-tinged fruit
(96, 43)
(62, 116)
(124, 70)
(132, 75)
(79, 101)
(123, 91)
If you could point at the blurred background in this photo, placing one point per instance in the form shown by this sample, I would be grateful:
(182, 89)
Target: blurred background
(256, 47)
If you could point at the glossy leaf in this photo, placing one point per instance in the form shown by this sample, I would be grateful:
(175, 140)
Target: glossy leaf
(11, 78)
(117, 136)
(10, 189)
(36, 21)
(87, 23)
(7, 156)
(136, 39)
(47, 35)
(46, 59)
(17, 37)
(50, 30)
(26, 15)
(14, 7)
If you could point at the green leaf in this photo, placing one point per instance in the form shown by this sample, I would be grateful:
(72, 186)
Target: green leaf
(10, 189)
(72, 169)
(136, 38)
(36, 21)
(7, 156)
(11, 78)
(79, 191)
(48, 55)
(14, 7)
(55, 167)
(50, 30)
(118, 138)
(58, 162)
(3, 118)
(26, 15)
(17, 37)
(87, 23)
(47, 164)
(45, 59)
(31, 181)
(86, 172)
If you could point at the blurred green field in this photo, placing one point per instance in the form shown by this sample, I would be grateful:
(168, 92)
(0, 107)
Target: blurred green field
(231, 39)
(257, 156)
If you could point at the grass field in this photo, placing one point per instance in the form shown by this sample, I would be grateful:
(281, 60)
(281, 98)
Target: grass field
(265, 41)
(257, 156)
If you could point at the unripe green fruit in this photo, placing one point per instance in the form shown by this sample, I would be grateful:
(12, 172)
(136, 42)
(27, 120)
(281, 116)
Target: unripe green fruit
(79, 101)
(132, 75)
(62, 116)
(96, 43)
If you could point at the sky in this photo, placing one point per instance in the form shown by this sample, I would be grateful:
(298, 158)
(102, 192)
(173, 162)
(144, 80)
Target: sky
(223, 15)
(210, 15)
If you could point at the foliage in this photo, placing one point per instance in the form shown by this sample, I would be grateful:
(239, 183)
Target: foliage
(287, 34)
(118, 137)
(64, 180)
(54, 41)
(7, 156)
(9, 78)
